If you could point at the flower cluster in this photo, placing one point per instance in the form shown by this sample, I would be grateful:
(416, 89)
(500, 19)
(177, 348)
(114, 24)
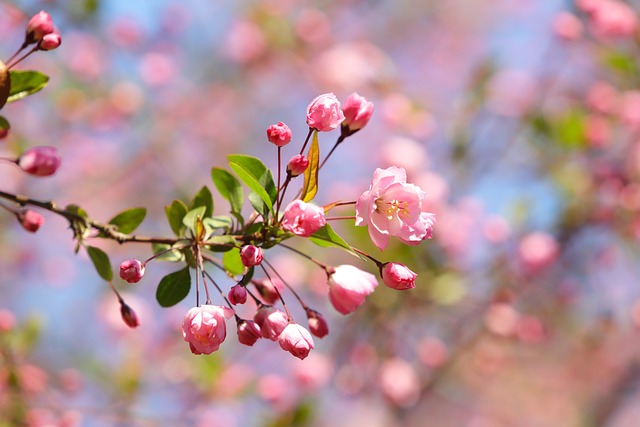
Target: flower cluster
(390, 207)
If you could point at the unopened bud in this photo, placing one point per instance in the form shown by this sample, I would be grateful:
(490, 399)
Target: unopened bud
(237, 295)
(251, 255)
(248, 332)
(128, 315)
(317, 324)
(30, 220)
(50, 42)
(40, 161)
(279, 134)
(297, 165)
(131, 270)
(38, 26)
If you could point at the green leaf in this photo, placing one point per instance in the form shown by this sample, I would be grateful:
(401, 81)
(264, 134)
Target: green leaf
(219, 221)
(326, 237)
(101, 262)
(569, 130)
(256, 176)
(232, 261)
(169, 255)
(229, 188)
(174, 287)
(193, 220)
(247, 277)
(4, 124)
(128, 220)
(203, 198)
(310, 186)
(25, 83)
(175, 213)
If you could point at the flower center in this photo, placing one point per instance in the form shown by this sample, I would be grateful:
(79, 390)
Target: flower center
(392, 208)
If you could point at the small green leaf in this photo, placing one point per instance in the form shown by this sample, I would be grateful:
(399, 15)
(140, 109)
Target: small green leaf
(169, 255)
(218, 222)
(4, 124)
(174, 287)
(25, 83)
(175, 213)
(256, 176)
(101, 262)
(129, 220)
(229, 188)
(247, 277)
(310, 187)
(326, 237)
(203, 198)
(193, 220)
(232, 261)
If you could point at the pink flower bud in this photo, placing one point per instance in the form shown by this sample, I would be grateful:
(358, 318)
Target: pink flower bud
(131, 270)
(248, 332)
(50, 42)
(279, 134)
(297, 165)
(398, 276)
(38, 26)
(357, 112)
(40, 161)
(128, 315)
(30, 220)
(349, 286)
(296, 340)
(237, 295)
(7, 321)
(251, 255)
(204, 328)
(271, 321)
(317, 325)
(303, 219)
(324, 113)
(567, 26)
(268, 290)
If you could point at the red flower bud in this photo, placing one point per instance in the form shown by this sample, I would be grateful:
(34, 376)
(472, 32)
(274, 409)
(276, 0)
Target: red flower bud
(40, 161)
(248, 332)
(279, 134)
(38, 26)
(297, 165)
(128, 315)
(50, 42)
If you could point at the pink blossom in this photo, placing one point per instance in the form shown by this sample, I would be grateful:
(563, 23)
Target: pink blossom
(50, 42)
(129, 316)
(248, 332)
(132, 270)
(391, 207)
(271, 321)
(317, 324)
(204, 328)
(613, 18)
(398, 276)
(567, 26)
(537, 250)
(38, 26)
(279, 134)
(303, 219)
(357, 112)
(297, 165)
(296, 340)
(399, 382)
(349, 286)
(40, 161)
(324, 113)
(30, 220)
(602, 98)
(7, 320)
(237, 295)
(251, 255)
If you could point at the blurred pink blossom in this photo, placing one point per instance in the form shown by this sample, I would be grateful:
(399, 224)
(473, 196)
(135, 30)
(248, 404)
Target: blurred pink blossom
(245, 42)
(349, 286)
(537, 250)
(602, 98)
(511, 92)
(567, 26)
(399, 382)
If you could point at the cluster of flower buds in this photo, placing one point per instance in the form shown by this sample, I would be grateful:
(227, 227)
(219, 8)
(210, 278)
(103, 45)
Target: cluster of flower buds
(40, 30)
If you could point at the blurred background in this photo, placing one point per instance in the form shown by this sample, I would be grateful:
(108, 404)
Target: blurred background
(520, 119)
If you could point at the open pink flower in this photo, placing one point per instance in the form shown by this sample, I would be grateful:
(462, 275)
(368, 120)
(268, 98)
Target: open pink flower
(391, 207)
(303, 219)
(324, 113)
(204, 328)
(349, 286)
(296, 340)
